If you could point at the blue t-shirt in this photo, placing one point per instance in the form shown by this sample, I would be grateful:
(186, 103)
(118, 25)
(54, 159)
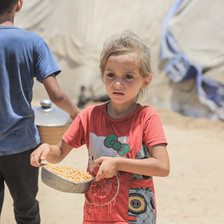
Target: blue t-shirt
(23, 56)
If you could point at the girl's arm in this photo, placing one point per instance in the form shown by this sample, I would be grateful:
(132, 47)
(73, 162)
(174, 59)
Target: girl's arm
(157, 165)
(51, 153)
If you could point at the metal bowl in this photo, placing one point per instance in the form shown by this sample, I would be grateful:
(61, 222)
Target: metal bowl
(61, 184)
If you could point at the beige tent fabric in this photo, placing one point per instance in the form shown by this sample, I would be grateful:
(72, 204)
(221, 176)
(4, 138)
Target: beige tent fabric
(198, 30)
(75, 30)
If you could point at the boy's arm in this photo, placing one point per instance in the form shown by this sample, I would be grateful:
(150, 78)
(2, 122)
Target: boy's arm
(58, 97)
(156, 165)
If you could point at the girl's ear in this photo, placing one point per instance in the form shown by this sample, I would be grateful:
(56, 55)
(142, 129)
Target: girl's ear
(146, 82)
(19, 5)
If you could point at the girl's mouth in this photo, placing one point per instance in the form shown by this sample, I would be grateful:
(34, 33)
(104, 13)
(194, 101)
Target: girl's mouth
(118, 93)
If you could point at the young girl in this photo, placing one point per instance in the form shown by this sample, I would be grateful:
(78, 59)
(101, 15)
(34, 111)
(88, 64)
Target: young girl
(125, 140)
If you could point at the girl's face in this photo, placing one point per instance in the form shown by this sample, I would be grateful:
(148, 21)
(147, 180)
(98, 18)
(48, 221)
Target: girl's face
(122, 78)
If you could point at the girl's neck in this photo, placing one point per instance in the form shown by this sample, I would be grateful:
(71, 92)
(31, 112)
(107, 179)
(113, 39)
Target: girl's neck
(118, 111)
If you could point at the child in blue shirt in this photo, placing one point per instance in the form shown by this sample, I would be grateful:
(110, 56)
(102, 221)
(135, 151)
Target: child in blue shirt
(23, 56)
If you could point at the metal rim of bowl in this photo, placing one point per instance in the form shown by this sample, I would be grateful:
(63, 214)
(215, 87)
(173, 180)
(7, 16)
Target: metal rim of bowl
(81, 182)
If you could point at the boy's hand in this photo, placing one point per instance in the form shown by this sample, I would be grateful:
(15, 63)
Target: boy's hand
(107, 167)
(39, 154)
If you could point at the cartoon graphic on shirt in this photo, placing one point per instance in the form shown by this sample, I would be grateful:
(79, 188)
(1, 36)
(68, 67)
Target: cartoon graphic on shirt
(103, 192)
(106, 146)
(112, 142)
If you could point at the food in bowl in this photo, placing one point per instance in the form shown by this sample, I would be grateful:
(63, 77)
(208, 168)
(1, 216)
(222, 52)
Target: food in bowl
(69, 173)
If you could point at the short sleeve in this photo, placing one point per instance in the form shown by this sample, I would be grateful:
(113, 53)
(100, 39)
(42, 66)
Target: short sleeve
(75, 134)
(153, 131)
(45, 63)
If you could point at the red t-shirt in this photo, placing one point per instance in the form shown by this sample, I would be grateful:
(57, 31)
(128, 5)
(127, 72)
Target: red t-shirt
(125, 197)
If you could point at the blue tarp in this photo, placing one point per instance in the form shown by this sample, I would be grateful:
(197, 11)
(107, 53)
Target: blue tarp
(179, 68)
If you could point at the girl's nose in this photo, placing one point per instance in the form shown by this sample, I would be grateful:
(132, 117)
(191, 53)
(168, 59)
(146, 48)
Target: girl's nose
(118, 84)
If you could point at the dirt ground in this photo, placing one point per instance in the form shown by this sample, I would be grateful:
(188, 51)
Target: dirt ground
(192, 193)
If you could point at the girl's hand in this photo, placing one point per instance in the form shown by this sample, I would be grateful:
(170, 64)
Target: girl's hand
(107, 167)
(39, 154)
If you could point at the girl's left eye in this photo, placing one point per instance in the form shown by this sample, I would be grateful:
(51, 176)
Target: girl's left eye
(129, 77)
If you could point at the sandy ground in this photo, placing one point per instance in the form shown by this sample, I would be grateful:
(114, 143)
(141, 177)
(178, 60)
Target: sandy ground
(192, 193)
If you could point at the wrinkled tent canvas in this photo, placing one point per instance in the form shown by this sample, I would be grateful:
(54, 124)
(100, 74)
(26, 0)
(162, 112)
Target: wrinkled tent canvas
(185, 38)
(192, 55)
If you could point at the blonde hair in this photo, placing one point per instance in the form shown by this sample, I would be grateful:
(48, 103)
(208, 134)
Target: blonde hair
(125, 43)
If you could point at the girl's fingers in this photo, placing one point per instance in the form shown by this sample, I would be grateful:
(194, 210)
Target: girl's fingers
(98, 161)
(34, 160)
(43, 156)
(99, 175)
(45, 151)
(39, 154)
